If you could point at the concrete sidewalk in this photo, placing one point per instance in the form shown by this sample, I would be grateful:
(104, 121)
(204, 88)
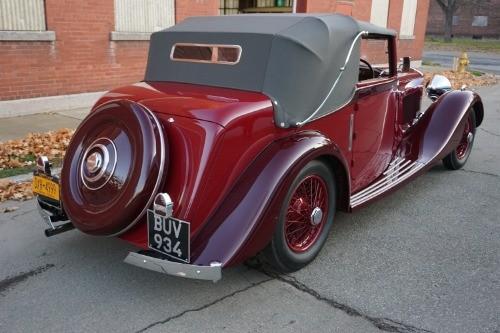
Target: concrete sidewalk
(18, 127)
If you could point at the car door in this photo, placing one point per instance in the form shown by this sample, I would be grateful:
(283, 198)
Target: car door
(374, 112)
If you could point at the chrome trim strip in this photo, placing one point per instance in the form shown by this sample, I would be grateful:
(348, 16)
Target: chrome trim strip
(397, 161)
(386, 183)
(390, 185)
(389, 179)
(360, 34)
(351, 131)
(393, 164)
(367, 189)
(210, 273)
(160, 173)
(398, 166)
(214, 48)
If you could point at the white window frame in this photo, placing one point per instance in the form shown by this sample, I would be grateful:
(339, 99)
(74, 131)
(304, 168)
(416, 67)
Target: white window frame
(24, 20)
(479, 21)
(408, 19)
(138, 19)
(379, 14)
(214, 57)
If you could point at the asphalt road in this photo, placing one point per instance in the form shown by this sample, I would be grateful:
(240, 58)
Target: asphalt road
(424, 259)
(484, 62)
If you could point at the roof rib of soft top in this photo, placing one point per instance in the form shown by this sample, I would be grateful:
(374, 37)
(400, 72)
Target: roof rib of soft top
(262, 23)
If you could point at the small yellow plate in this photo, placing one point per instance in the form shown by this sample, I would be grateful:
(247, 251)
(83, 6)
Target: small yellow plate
(46, 187)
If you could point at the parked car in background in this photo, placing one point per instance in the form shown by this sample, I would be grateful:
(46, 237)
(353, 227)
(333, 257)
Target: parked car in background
(246, 136)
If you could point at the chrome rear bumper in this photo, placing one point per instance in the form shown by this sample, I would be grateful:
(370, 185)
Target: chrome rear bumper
(211, 273)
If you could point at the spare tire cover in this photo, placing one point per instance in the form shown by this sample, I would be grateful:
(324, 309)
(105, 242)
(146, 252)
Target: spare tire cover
(113, 168)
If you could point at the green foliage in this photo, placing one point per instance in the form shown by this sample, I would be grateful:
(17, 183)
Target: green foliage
(15, 172)
(430, 63)
(10, 172)
(463, 44)
(476, 73)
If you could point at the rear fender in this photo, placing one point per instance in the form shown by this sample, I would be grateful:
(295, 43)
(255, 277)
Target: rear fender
(245, 221)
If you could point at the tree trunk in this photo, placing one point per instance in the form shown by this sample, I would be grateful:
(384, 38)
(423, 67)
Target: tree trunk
(448, 25)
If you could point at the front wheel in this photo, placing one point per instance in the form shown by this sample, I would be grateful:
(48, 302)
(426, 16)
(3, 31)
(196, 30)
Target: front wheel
(306, 217)
(458, 157)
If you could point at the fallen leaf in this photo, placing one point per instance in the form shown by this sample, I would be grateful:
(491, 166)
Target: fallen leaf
(19, 153)
(459, 79)
(10, 190)
(9, 209)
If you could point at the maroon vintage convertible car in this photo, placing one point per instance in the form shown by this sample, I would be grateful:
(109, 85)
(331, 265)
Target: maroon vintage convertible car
(246, 136)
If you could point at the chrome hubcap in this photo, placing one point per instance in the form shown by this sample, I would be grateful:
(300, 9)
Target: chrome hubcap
(470, 136)
(316, 216)
(98, 164)
(94, 162)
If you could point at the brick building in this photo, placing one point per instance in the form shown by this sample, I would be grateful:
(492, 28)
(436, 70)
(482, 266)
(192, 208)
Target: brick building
(51, 47)
(474, 19)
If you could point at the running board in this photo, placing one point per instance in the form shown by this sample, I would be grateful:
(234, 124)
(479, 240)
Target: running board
(399, 170)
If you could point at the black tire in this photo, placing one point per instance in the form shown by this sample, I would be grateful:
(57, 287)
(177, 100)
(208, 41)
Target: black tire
(278, 253)
(454, 160)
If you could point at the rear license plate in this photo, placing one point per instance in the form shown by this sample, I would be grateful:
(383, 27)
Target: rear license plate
(45, 187)
(169, 236)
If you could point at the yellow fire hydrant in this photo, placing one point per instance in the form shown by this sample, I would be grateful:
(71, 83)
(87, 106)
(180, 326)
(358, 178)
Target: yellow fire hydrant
(463, 62)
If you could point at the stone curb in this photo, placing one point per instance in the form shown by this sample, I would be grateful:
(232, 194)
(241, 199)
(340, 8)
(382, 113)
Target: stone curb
(24, 107)
(27, 176)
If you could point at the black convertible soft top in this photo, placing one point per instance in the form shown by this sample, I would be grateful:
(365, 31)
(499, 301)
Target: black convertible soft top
(295, 59)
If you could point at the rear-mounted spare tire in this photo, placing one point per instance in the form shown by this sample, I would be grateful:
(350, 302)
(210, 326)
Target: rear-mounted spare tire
(113, 168)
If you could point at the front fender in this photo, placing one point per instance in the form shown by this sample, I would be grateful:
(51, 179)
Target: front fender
(245, 221)
(440, 129)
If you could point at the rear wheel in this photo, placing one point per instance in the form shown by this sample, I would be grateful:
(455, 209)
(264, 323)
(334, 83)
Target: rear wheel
(458, 157)
(306, 217)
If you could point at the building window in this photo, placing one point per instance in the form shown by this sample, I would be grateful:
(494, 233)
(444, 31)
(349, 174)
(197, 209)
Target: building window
(456, 20)
(22, 15)
(480, 21)
(23, 20)
(408, 18)
(380, 12)
(228, 7)
(137, 19)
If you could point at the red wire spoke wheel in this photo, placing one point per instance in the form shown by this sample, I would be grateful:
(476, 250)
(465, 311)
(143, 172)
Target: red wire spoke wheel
(459, 156)
(305, 216)
(305, 219)
(465, 144)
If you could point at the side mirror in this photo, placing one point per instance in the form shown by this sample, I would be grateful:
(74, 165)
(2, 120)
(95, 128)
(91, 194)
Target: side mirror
(438, 86)
(406, 64)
